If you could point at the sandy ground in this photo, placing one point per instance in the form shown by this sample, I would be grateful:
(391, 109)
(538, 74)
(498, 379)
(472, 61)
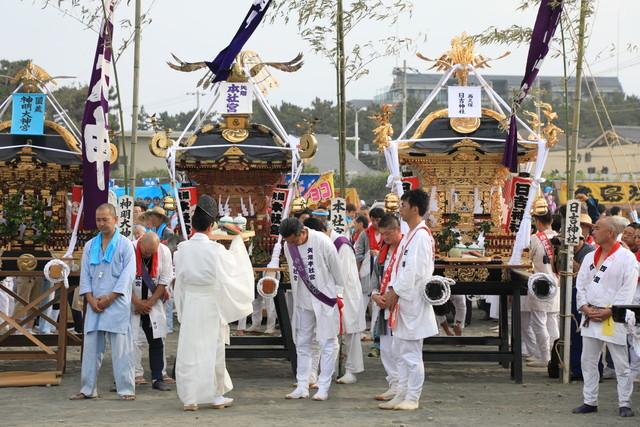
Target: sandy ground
(455, 394)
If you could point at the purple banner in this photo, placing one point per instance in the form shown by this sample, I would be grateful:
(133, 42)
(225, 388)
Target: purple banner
(549, 14)
(221, 65)
(96, 150)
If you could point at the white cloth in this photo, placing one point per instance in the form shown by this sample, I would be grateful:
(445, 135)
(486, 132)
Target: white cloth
(327, 277)
(389, 361)
(539, 327)
(537, 254)
(353, 318)
(617, 286)
(305, 332)
(408, 356)
(93, 347)
(460, 303)
(528, 337)
(591, 351)
(213, 287)
(157, 315)
(416, 319)
(353, 349)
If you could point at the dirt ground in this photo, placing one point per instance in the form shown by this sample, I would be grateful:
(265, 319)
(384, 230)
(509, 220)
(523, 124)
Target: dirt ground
(474, 394)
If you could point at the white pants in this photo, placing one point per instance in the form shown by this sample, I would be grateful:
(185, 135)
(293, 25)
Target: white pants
(408, 354)
(528, 337)
(353, 350)
(540, 325)
(460, 303)
(591, 351)
(389, 361)
(121, 357)
(634, 360)
(259, 304)
(305, 336)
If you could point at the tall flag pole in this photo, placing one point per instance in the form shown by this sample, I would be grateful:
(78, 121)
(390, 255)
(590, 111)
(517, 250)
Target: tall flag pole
(96, 149)
(221, 65)
(547, 21)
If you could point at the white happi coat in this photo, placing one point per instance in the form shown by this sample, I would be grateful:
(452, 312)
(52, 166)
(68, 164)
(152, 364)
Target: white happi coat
(157, 316)
(328, 278)
(617, 286)
(353, 320)
(414, 268)
(537, 254)
(214, 286)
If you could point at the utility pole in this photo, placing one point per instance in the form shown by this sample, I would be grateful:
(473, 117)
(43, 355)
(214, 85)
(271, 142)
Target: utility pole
(197, 94)
(356, 136)
(134, 112)
(571, 184)
(404, 94)
(342, 103)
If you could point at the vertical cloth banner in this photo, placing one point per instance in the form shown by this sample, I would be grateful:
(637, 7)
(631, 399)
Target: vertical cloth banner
(278, 203)
(549, 14)
(96, 150)
(188, 199)
(221, 65)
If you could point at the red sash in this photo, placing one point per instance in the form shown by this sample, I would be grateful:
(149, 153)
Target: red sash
(386, 277)
(374, 244)
(598, 253)
(548, 249)
(393, 315)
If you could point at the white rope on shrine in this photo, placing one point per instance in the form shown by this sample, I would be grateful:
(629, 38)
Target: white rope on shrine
(429, 100)
(74, 233)
(8, 100)
(64, 272)
(444, 283)
(63, 115)
(523, 237)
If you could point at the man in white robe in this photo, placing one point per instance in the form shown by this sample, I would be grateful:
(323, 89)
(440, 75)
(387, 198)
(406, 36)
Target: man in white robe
(214, 286)
(607, 277)
(389, 227)
(544, 312)
(412, 318)
(353, 320)
(154, 272)
(107, 272)
(315, 278)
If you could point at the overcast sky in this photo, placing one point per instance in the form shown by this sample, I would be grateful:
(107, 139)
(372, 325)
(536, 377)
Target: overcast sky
(197, 29)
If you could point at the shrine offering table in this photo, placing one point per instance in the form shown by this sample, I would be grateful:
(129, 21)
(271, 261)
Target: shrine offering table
(497, 279)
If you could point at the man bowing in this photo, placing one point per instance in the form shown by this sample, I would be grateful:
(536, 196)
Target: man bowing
(315, 276)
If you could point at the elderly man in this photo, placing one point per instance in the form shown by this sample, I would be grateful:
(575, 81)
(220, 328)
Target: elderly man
(108, 270)
(605, 279)
(154, 272)
(389, 227)
(315, 277)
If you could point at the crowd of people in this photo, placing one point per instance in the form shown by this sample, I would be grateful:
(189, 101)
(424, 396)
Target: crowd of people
(374, 271)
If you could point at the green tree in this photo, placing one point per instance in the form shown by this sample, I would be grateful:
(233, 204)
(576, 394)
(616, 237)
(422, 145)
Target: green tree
(370, 187)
